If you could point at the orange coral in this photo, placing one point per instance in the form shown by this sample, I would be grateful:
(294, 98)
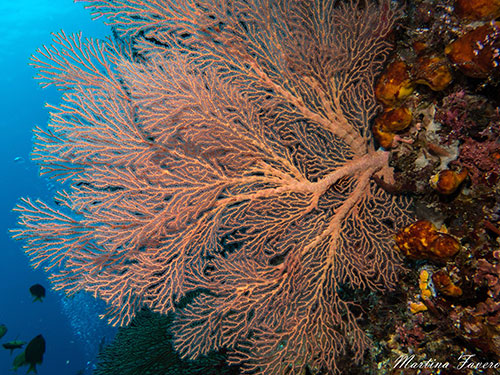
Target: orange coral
(423, 284)
(416, 307)
(443, 283)
(422, 240)
(394, 84)
(478, 9)
(420, 47)
(433, 71)
(384, 138)
(447, 181)
(425, 293)
(389, 122)
(475, 53)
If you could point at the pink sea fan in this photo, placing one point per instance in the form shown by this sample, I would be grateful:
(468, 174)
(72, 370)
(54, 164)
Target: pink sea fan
(222, 148)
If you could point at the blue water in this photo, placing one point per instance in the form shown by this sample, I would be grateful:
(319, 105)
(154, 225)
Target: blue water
(71, 328)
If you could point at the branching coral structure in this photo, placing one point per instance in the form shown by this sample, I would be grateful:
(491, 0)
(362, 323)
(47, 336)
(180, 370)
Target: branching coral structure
(222, 148)
(144, 347)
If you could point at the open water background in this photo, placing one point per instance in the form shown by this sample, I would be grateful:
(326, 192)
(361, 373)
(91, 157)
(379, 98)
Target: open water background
(71, 328)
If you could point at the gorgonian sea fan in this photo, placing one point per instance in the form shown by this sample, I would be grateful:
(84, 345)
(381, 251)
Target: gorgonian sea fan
(222, 148)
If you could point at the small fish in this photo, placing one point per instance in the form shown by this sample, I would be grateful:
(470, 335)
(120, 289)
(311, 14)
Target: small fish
(34, 351)
(19, 159)
(38, 292)
(15, 344)
(3, 330)
(19, 361)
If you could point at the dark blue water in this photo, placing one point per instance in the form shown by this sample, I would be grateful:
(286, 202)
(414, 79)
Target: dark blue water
(71, 327)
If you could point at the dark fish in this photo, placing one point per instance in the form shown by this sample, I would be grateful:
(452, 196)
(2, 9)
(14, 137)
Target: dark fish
(33, 354)
(15, 344)
(3, 330)
(38, 292)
